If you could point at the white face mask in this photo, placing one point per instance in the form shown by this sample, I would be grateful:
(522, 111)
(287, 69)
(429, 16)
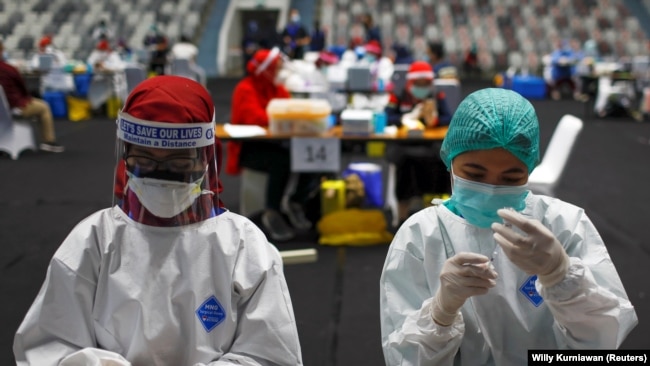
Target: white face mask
(164, 198)
(282, 76)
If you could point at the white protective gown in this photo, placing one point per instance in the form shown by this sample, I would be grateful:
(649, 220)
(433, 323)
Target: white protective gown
(589, 309)
(211, 293)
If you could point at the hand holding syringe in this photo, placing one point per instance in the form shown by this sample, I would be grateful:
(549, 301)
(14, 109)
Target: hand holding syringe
(534, 249)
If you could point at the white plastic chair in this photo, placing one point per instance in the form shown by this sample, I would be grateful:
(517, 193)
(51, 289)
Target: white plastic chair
(181, 67)
(135, 74)
(15, 135)
(547, 174)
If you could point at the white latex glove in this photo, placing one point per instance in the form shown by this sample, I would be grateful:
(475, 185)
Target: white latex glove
(462, 276)
(411, 120)
(536, 252)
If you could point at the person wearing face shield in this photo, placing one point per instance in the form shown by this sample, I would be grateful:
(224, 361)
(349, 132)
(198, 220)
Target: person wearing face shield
(419, 169)
(496, 270)
(166, 276)
(381, 67)
(250, 99)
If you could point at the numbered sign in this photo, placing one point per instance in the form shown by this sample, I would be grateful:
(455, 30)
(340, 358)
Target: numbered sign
(315, 154)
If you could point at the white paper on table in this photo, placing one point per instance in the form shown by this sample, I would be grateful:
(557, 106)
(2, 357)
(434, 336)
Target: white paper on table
(244, 130)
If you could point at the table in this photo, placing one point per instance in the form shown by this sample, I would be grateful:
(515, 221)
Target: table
(334, 135)
(436, 133)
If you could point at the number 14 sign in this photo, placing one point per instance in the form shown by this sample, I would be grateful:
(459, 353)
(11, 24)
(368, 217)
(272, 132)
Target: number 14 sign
(315, 154)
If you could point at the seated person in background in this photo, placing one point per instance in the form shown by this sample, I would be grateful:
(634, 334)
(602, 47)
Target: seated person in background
(353, 52)
(322, 63)
(441, 66)
(53, 78)
(563, 67)
(381, 67)
(46, 47)
(104, 59)
(125, 51)
(419, 168)
(467, 282)
(166, 276)
(184, 49)
(23, 104)
(250, 99)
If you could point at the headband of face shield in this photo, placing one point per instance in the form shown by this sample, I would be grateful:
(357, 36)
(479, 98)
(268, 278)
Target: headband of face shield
(167, 156)
(270, 64)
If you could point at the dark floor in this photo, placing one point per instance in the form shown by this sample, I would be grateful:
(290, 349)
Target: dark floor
(336, 299)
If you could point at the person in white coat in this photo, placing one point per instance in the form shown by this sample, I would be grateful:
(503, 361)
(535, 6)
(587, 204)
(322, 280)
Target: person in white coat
(166, 276)
(467, 282)
(184, 49)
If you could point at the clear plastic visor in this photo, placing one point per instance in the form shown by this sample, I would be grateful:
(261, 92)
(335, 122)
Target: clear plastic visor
(166, 173)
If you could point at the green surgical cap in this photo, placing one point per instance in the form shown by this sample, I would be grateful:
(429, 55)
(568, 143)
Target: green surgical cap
(493, 118)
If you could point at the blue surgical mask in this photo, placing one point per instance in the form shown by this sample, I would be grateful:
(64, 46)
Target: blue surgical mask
(370, 57)
(420, 92)
(478, 202)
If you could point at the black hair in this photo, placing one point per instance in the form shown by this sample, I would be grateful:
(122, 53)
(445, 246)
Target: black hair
(437, 49)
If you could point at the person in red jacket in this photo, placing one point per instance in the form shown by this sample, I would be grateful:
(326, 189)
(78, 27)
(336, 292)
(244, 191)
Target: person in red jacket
(250, 99)
(22, 103)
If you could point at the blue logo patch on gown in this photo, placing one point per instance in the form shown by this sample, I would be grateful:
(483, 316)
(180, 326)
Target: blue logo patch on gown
(530, 292)
(210, 313)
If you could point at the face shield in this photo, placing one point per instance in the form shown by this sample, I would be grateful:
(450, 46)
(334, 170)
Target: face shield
(166, 173)
(274, 66)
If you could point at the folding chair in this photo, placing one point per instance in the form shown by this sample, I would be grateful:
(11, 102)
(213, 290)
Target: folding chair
(452, 90)
(15, 135)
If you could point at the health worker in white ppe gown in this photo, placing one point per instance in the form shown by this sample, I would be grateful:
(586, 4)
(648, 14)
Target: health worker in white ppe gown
(167, 276)
(481, 278)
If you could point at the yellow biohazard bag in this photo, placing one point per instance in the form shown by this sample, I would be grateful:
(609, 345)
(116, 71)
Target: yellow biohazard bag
(354, 226)
(113, 105)
(78, 109)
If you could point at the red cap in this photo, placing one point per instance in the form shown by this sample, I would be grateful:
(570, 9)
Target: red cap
(103, 45)
(45, 41)
(170, 98)
(373, 47)
(420, 70)
(327, 58)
